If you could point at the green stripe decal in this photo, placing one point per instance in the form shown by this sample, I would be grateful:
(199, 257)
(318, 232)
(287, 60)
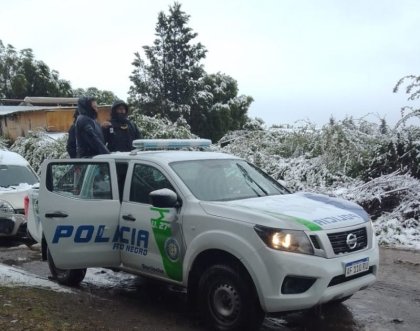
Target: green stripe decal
(310, 225)
(162, 232)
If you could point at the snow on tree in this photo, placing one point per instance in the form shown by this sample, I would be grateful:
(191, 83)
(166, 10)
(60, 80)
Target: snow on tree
(38, 146)
(171, 81)
(161, 128)
(3, 142)
(103, 97)
(349, 159)
(167, 84)
(217, 108)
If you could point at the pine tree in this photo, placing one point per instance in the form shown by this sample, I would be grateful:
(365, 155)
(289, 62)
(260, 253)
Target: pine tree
(218, 108)
(172, 83)
(169, 82)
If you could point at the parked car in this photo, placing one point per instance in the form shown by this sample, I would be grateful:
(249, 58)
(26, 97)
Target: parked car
(16, 180)
(238, 241)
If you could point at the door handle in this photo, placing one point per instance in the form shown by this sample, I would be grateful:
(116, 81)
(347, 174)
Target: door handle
(56, 214)
(129, 217)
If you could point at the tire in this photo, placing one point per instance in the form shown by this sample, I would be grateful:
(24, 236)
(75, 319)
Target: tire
(227, 299)
(70, 277)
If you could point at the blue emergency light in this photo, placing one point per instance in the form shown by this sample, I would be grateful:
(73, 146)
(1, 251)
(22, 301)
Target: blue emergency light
(170, 144)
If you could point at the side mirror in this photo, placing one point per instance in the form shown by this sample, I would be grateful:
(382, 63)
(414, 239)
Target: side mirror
(164, 198)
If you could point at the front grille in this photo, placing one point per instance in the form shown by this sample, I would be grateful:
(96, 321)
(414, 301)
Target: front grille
(339, 240)
(20, 211)
(342, 278)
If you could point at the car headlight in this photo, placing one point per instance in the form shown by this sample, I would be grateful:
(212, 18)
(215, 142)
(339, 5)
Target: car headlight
(285, 240)
(6, 207)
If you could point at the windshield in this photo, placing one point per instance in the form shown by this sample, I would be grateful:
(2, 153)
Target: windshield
(222, 180)
(14, 175)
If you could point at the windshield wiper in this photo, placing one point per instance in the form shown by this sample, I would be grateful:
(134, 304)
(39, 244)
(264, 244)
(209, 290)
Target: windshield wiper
(250, 179)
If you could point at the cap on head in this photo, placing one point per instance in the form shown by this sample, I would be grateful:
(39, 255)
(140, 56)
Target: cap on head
(118, 103)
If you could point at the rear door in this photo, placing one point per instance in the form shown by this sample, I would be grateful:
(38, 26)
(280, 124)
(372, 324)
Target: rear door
(79, 207)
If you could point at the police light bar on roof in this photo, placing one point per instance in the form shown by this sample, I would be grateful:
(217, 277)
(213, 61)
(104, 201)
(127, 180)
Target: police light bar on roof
(170, 144)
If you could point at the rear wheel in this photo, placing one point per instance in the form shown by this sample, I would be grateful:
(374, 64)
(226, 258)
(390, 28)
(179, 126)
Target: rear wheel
(71, 277)
(228, 300)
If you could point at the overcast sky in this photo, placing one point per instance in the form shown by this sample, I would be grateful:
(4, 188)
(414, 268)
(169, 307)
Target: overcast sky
(298, 59)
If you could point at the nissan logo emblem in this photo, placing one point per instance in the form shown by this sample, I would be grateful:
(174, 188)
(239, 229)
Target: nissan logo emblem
(351, 241)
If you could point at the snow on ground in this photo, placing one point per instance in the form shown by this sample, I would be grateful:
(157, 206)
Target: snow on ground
(104, 278)
(98, 277)
(11, 276)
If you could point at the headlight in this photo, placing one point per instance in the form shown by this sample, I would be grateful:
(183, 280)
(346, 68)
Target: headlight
(285, 240)
(6, 207)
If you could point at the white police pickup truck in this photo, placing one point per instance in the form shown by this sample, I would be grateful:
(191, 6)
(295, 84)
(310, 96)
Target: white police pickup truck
(213, 223)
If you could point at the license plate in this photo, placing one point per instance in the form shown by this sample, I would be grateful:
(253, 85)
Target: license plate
(356, 267)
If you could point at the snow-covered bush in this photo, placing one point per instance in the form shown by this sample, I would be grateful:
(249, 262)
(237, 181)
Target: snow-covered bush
(161, 128)
(393, 201)
(38, 146)
(339, 150)
(3, 142)
(357, 160)
(399, 150)
(349, 159)
(305, 155)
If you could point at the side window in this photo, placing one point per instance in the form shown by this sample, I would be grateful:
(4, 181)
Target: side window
(79, 180)
(145, 180)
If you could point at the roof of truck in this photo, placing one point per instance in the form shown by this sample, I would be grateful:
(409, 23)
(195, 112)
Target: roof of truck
(167, 156)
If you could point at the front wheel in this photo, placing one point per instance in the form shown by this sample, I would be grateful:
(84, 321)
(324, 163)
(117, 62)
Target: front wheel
(70, 277)
(228, 300)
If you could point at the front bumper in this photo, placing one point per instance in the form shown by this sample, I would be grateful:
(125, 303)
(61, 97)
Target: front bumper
(10, 224)
(328, 275)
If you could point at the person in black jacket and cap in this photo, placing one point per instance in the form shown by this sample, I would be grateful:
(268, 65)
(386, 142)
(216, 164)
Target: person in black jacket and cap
(89, 138)
(71, 140)
(120, 132)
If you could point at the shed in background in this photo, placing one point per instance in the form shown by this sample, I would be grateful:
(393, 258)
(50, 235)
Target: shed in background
(54, 115)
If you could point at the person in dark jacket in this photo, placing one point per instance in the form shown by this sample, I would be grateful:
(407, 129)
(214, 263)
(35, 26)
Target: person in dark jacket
(89, 138)
(120, 132)
(71, 140)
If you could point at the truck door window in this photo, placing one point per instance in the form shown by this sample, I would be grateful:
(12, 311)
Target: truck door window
(83, 181)
(145, 180)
